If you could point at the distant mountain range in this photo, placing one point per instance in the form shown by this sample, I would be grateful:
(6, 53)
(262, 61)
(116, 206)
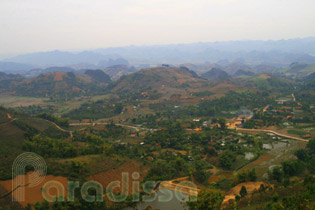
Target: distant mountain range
(178, 69)
(15, 67)
(274, 53)
(48, 61)
(281, 52)
(62, 58)
(242, 72)
(152, 82)
(37, 71)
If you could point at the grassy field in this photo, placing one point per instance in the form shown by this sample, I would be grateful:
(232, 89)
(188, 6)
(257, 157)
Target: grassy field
(11, 140)
(37, 123)
(15, 101)
(280, 152)
(3, 117)
(66, 106)
(62, 107)
(93, 163)
(297, 132)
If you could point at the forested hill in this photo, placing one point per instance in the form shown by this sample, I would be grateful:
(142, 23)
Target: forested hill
(161, 78)
(59, 84)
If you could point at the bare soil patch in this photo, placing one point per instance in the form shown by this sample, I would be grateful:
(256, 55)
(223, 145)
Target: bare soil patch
(115, 174)
(59, 76)
(250, 187)
(34, 194)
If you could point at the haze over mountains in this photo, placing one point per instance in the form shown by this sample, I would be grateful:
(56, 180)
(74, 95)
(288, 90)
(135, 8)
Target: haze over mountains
(277, 53)
(216, 61)
(155, 82)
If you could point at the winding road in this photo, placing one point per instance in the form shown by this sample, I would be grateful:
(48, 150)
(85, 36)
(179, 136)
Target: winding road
(182, 188)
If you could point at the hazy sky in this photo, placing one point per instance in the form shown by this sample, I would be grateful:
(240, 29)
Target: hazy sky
(40, 25)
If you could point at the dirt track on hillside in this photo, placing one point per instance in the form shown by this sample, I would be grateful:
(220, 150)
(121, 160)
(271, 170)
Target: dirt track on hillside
(250, 187)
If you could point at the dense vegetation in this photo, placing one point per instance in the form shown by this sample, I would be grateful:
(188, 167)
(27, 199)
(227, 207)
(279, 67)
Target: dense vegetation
(175, 130)
(96, 110)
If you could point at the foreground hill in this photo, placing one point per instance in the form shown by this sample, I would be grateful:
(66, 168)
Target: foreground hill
(98, 75)
(58, 84)
(13, 126)
(161, 79)
(215, 74)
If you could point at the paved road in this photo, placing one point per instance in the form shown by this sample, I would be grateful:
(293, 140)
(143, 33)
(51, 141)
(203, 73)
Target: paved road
(239, 129)
(274, 132)
(119, 124)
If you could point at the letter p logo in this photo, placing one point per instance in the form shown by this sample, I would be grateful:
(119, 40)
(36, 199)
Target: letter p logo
(19, 180)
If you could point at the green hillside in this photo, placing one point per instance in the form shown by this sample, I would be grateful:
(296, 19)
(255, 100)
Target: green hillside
(60, 85)
(13, 127)
(268, 82)
(157, 79)
(297, 70)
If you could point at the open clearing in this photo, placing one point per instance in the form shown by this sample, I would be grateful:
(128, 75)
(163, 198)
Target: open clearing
(250, 187)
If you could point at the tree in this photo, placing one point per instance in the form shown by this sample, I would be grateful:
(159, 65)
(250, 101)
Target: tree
(311, 146)
(200, 175)
(207, 200)
(214, 120)
(252, 175)
(262, 188)
(222, 123)
(276, 174)
(243, 192)
(227, 158)
(302, 155)
(311, 165)
(241, 177)
(292, 168)
(246, 176)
